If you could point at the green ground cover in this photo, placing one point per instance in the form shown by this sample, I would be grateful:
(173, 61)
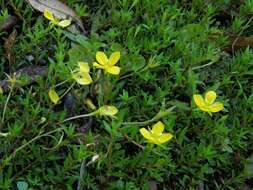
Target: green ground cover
(168, 52)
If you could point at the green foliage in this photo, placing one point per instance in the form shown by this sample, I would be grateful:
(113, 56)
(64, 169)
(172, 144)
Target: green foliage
(170, 50)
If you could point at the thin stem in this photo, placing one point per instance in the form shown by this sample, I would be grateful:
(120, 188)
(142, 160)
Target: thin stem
(67, 90)
(61, 83)
(6, 103)
(141, 123)
(155, 118)
(202, 66)
(35, 138)
(81, 175)
(79, 116)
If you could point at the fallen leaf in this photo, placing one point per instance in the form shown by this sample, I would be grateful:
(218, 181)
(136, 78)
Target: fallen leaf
(153, 185)
(58, 9)
(9, 23)
(237, 43)
(8, 45)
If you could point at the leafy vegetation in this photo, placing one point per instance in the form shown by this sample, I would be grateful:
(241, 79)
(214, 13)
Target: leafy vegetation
(78, 125)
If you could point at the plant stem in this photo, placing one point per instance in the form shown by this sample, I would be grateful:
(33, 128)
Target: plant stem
(6, 103)
(79, 116)
(155, 118)
(67, 90)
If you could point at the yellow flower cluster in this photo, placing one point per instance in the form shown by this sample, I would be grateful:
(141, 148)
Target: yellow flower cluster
(82, 76)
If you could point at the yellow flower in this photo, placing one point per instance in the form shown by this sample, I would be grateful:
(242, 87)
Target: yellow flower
(156, 135)
(208, 105)
(49, 15)
(81, 75)
(107, 110)
(108, 64)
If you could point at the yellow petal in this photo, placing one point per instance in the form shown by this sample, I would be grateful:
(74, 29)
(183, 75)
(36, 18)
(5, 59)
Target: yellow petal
(64, 23)
(165, 137)
(108, 110)
(145, 133)
(210, 97)
(48, 15)
(155, 141)
(114, 58)
(215, 107)
(53, 96)
(158, 128)
(101, 58)
(82, 78)
(95, 64)
(200, 102)
(113, 70)
(90, 104)
(83, 66)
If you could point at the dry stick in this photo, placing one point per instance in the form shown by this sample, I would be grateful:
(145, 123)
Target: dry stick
(240, 33)
(135, 143)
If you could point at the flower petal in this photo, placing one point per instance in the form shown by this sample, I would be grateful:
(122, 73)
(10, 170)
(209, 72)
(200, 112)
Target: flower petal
(101, 58)
(216, 107)
(155, 141)
(108, 110)
(158, 128)
(90, 104)
(53, 96)
(115, 70)
(83, 66)
(48, 15)
(210, 97)
(82, 78)
(64, 23)
(95, 64)
(199, 101)
(114, 58)
(146, 134)
(165, 137)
